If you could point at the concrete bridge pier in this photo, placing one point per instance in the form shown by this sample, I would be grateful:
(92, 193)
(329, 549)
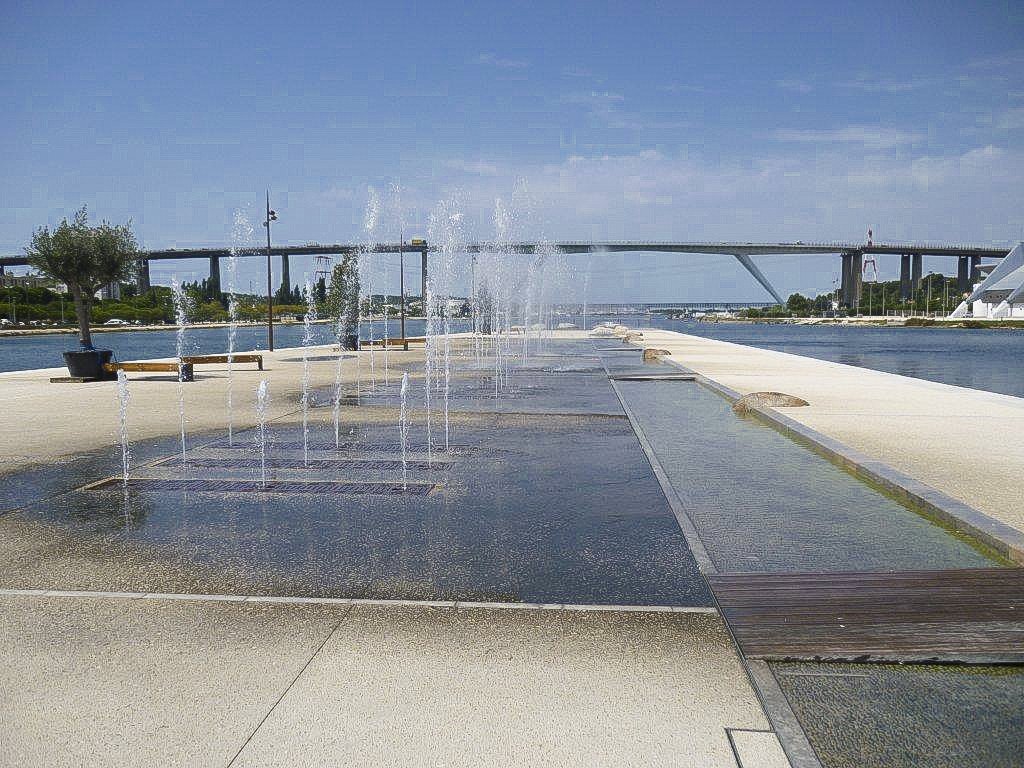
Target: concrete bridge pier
(852, 278)
(905, 276)
(915, 272)
(141, 276)
(213, 284)
(286, 277)
(975, 276)
(423, 278)
(963, 274)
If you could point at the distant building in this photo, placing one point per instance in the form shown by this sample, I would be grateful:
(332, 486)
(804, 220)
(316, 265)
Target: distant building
(30, 281)
(110, 291)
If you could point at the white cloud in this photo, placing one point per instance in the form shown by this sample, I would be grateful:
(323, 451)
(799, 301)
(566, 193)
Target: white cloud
(474, 167)
(1005, 60)
(594, 99)
(879, 85)
(683, 88)
(872, 137)
(799, 86)
(494, 60)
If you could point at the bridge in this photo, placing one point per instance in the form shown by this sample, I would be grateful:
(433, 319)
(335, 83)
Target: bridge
(667, 306)
(852, 254)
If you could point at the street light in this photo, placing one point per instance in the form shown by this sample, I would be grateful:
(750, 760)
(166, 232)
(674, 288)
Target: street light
(271, 216)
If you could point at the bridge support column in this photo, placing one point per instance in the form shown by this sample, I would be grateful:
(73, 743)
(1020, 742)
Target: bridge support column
(213, 284)
(915, 272)
(856, 278)
(852, 279)
(286, 277)
(963, 274)
(975, 276)
(844, 280)
(905, 276)
(141, 276)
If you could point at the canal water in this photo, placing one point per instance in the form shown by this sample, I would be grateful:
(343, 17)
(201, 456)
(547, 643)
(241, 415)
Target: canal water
(987, 359)
(545, 495)
(20, 353)
(991, 360)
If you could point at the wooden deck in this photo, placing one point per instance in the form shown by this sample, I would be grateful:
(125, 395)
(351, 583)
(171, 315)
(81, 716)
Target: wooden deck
(974, 616)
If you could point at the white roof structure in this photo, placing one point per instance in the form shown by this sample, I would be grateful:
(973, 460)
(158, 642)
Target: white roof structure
(1003, 287)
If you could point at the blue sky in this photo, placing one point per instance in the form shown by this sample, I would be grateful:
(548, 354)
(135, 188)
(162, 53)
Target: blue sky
(624, 121)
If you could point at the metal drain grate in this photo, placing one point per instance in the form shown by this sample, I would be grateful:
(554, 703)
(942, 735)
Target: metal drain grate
(277, 463)
(290, 445)
(271, 486)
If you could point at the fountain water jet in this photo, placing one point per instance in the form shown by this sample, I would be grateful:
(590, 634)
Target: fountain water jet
(262, 401)
(241, 235)
(337, 381)
(403, 426)
(307, 341)
(181, 318)
(123, 398)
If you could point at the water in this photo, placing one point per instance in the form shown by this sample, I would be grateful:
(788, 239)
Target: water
(260, 433)
(762, 502)
(241, 235)
(446, 233)
(991, 360)
(181, 316)
(308, 339)
(556, 503)
(123, 398)
(387, 372)
(403, 428)
(21, 353)
(336, 396)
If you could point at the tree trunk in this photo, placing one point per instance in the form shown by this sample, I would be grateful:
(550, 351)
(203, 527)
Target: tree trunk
(83, 307)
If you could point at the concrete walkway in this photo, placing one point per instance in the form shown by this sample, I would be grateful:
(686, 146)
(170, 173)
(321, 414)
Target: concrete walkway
(56, 420)
(114, 682)
(963, 442)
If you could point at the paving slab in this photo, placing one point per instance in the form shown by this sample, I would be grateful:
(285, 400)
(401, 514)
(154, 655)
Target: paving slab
(109, 682)
(411, 686)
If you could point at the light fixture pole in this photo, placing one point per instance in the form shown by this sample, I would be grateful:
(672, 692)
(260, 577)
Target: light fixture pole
(271, 216)
(401, 282)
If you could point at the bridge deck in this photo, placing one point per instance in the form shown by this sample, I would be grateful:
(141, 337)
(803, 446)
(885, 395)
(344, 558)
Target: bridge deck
(638, 246)
(974, 615)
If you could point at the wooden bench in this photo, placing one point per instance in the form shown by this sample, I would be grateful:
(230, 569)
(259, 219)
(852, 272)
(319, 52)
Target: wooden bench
(211, 359)
(184, 369)
(398, 341)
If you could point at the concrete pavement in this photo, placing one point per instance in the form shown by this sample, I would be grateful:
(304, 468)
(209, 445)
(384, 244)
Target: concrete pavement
(112, 682)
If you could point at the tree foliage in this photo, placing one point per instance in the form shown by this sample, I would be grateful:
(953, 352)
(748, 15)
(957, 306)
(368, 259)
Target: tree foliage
(343, 295)
(85, 259)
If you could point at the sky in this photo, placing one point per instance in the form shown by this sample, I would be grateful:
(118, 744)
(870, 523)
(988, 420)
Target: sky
(613, 121)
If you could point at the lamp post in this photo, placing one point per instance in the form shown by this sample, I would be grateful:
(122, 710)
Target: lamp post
(401, 282)
(271, 216)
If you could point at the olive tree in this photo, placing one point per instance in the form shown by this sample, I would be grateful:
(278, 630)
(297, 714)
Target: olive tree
(85, 259)
(343, 296)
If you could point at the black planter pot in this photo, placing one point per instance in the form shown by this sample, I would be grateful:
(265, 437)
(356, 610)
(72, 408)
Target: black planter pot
(88, 363)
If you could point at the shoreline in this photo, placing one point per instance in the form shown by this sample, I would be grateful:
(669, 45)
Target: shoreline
(20, 332)
(877, 321)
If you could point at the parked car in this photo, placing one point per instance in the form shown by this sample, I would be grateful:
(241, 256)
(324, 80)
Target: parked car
(116, 321)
